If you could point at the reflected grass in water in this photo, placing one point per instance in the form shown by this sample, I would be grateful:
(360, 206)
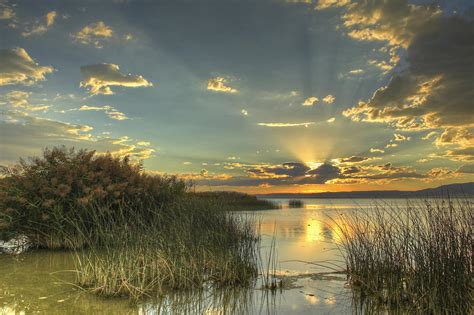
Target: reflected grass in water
(418, 258)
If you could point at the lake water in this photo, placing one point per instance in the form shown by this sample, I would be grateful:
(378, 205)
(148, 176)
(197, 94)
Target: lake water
(306, 246)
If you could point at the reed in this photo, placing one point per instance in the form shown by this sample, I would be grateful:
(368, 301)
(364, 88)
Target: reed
(416, 259)
(188, 246)
(295, 203)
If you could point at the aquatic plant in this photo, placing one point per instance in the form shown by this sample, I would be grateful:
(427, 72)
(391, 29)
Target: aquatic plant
(416, 259)
(188, 245)
(295, 203)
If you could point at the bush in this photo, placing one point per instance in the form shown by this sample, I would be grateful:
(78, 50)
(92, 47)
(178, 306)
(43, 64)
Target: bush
(43, 196)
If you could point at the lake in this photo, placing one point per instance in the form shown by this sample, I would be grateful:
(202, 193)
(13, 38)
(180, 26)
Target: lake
(306, 252)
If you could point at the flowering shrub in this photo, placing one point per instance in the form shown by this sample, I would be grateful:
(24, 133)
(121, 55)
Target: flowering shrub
(42, 195)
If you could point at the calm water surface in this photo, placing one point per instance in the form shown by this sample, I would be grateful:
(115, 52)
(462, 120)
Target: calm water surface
(305, 239)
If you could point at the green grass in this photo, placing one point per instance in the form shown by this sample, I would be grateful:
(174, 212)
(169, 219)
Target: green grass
(417, 259)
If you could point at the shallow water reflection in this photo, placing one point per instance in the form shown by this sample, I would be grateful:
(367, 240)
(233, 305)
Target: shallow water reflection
(305, 241)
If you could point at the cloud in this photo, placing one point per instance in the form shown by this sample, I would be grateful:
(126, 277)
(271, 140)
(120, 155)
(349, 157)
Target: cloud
(295, 173)
(107, 109)
(94, 34)
(41, 28)
(374, 150)
(331, 120)
(244, 112)
(353, 159)
(434, 90)
(394, 21)
(329, 99)
(24, 135)
(20, 100)
(100, 77)
(219, 84)
(400, 138)
(17, 67)
(466, 169)
(50, 18)
(356, 71)
(462, 137)
(463, 154)
(310, 101)
(324, 4)
(6, 12)
(284, 125)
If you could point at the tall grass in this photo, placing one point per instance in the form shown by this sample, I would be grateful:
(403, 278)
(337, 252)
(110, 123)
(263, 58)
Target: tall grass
(295, 203)
(416, 259)
(188, 245)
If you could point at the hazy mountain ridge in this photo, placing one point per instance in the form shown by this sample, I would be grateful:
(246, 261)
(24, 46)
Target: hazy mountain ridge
(452, 190)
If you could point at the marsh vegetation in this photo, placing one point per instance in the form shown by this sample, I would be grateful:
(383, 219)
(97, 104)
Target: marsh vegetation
(295, 203)
(417, 258)
(141, 236)
(132, 234)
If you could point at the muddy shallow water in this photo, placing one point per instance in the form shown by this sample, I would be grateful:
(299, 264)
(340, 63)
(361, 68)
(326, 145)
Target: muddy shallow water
(305, 240)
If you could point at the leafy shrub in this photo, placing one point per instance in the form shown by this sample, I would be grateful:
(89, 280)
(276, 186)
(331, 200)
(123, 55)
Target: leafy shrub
(40, 197)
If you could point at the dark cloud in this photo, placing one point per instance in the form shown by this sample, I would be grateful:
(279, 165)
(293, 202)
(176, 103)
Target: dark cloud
(290, 169)
(434, 89)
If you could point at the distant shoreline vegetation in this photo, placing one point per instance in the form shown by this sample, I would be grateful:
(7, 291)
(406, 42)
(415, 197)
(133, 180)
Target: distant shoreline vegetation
(295, 203)
(235, 201)
(462, 190)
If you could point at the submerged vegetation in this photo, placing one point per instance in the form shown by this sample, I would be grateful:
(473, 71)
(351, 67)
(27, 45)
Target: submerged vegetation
(132, 234)
(418, 259)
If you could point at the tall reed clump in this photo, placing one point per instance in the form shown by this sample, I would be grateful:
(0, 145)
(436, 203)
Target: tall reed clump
(417, 259)
(42, 196)
(188, 245)
(295, 203)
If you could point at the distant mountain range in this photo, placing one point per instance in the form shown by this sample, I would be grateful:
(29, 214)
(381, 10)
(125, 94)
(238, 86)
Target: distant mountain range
(452, 190)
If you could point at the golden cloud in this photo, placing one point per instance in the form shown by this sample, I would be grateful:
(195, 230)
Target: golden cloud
(41, 28)
(100, 77)
(310, 101)
(94, 34)
(17, 67)
(219, 84)
(329, 99)
(284, 125)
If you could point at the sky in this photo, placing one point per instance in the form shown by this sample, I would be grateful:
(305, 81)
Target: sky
(254, 96)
